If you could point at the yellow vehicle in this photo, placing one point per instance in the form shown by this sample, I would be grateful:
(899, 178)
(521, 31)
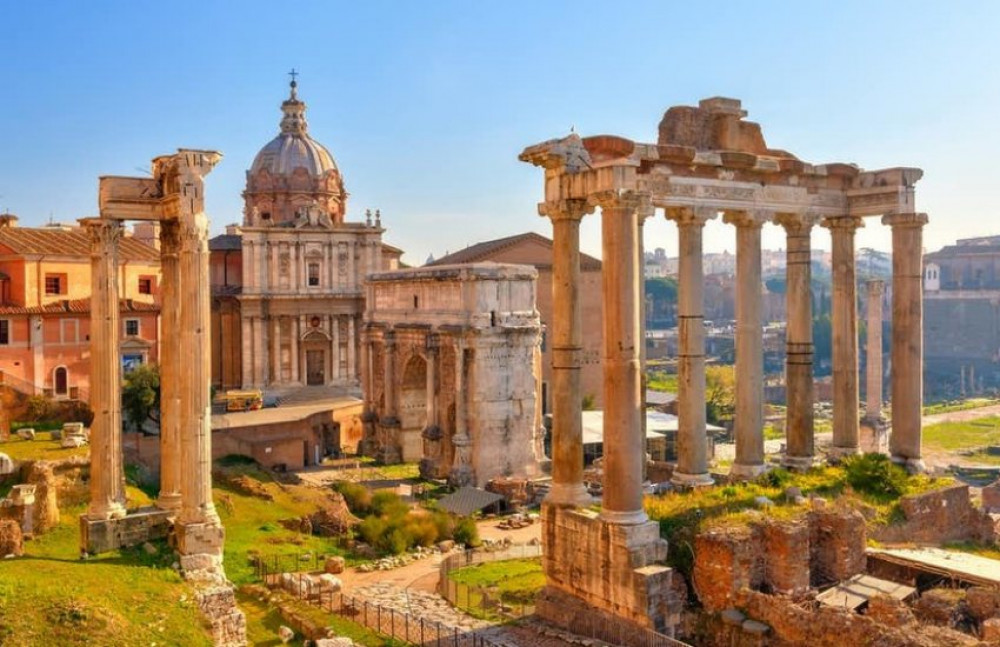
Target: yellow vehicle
(244, 400)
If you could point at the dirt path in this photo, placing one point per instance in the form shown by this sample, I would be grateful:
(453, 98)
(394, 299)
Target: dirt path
(962, 416)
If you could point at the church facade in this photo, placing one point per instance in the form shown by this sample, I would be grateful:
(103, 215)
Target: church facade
(287, 284)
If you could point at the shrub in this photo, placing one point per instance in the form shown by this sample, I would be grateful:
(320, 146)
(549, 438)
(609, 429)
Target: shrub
(358, 498)
(39, 408)
(385, 503)
(422, 530)
(466, 532)
(876, 475)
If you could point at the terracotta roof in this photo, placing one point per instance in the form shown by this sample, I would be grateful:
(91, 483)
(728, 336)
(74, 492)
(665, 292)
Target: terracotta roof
(68, 242)
(484, 252)
(76, 306)
(225, 243)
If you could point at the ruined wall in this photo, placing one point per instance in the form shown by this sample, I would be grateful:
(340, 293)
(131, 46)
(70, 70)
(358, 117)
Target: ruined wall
(727, 560)
(939, 516)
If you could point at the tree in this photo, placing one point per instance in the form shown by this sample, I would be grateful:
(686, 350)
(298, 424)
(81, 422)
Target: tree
(141, 395)
(720, 393)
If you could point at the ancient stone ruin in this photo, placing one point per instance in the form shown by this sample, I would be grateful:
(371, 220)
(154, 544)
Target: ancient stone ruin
(174, 196)
(708, 160)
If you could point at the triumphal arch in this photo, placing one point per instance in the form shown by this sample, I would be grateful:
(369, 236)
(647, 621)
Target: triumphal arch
(707, 161)
(174, 196)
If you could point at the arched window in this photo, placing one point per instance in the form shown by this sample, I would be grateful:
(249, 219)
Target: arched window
(60, 379)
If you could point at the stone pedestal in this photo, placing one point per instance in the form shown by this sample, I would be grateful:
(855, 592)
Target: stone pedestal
(595, 570)
(107, 475)
(907, 337)
(749, 419)
(567, 341)
(103, 535)
(800, 448)
(846, 430)
(692, 442)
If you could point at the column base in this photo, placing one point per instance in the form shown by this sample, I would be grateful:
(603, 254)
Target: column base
(569, 494)
(170, 502)
(838, 454)
(747, 472)
(624, 517)
(799, 463)
(911, 465)
(111, 511)
(461, 476)
(683, 480)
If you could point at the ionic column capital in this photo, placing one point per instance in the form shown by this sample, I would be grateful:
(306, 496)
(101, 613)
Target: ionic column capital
(690, 216)
(848, 224)
(748, 219)
(568, 209)
(905, 220)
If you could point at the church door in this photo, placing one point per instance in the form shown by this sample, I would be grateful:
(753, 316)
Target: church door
(314, 367)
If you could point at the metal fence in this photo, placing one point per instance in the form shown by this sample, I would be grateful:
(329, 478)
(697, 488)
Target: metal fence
(487, 602)
(268, 567)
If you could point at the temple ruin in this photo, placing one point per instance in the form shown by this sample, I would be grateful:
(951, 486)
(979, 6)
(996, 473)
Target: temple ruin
(707, 161)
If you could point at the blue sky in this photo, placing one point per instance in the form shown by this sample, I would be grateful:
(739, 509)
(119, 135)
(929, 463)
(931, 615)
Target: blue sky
(425, 105)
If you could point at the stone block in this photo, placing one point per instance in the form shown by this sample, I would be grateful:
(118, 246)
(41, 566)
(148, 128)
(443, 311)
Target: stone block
(982, 602)
(11, 538)
(725, 561)
(102, 535)
(786, 557)
(218, 605)
(199, 538)
(7, 465)
(837, 543)
(334, 565)
(887, 610)
(26, 433)
(991, 497)
(990, 630)
(942, 607)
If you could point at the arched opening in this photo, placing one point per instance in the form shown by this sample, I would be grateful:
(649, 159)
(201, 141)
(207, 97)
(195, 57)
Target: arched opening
(60, 382)
(315, 346)
(413, 408)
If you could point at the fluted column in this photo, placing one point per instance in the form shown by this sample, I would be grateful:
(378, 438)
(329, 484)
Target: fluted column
(846, 423)
(800, 447)
(566, 329)
(692, 442)
(391, 406)
(873, 364)
(749, 419)
(295, 349)
(624, 443)
(246, 338)
(907, 337)
(335, 349)
(461, 469)
(275, 362)
(195, 391)
(107, 476)
(172, 364)
(352, 346)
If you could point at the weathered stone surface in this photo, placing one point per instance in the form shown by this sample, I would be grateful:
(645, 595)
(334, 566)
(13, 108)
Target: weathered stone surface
(990, 630)
(218, 605)
(943, 607)
(7, 465)
(786, 556)
(887, 610)
(726, 560)
(11, 538)
(140, 526)
(939, 516)
(334, 565)
(333, 518)
(837, 543)
(991, 497)
(982, 602)
(41, 474)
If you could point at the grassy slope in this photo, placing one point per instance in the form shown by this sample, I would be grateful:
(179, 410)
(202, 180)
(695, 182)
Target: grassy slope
(971, 434)
(42, 448)
(123, 598)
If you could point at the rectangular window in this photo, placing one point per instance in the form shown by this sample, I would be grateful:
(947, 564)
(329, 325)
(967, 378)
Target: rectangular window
(55, 284)
(313, 274)
(4, 332)
(145, 285)
(132, 327)
(69, 331)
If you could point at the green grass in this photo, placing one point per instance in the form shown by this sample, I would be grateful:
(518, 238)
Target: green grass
(959, 405)
(126, 597)
(773, 433)
(400, 471)
(970, 434)
(660, 381)
(514, 581)
(41, 448)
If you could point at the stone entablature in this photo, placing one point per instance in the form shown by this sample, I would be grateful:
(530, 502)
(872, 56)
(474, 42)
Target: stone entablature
(450, 361)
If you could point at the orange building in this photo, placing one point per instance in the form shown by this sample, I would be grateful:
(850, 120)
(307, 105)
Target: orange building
(45, 307)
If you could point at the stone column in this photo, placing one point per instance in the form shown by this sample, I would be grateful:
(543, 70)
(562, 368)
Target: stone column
(873, 365)
(352, 346)
(799, 391)
(624, 443)
(567, 341)
(107, 476)
(432, 430)
(195, 382)
(391, 406)
(749, 418)
(846, 430)
(295, 349)
(335, 348)
(461, 470)
(172, 364)
(907, 337)
(692, 442)
(248, 359)
(275, 349)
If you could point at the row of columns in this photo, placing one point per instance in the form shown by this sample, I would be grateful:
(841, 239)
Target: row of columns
(623, 438)
(262, 340)
(185, 364)
(263, 263)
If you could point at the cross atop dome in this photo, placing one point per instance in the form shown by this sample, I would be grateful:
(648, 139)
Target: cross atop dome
(293, 84)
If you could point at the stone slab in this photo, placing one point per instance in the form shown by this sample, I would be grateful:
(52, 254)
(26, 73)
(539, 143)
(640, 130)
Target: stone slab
(103, 535)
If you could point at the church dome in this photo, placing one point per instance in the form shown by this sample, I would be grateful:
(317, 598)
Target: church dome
(293, 148)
